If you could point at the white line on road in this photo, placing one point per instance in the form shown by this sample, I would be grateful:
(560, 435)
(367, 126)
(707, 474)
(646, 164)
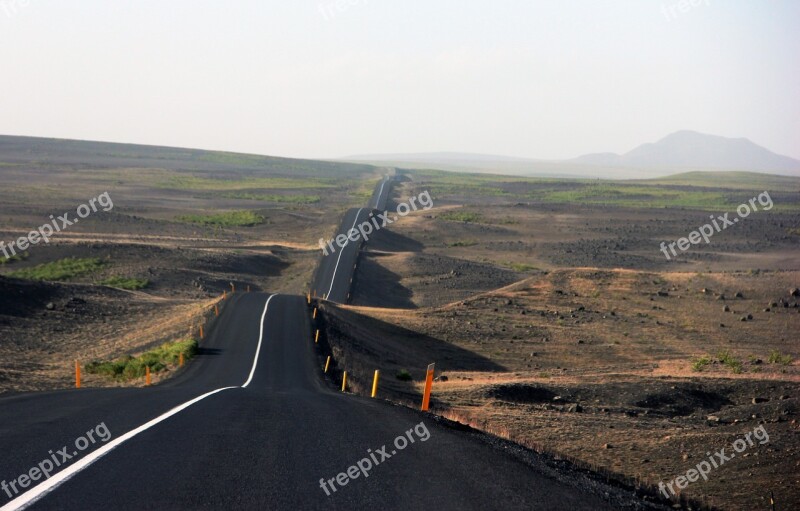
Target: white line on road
(333, 279)
(258, 348)
(39, 491)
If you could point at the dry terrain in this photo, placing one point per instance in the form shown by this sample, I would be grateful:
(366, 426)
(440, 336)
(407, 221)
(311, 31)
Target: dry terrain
(551, 314)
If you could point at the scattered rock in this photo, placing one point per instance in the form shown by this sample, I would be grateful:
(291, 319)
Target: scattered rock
(726, 309)
(50, 306)
(757, 400)
(738, 295)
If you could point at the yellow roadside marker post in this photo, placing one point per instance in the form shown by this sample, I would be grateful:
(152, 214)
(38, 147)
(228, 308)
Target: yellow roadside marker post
(344, 381)
(375, 383)
(316, 337)
(426, 396)
(216, 310)
(327, 363)
(233, 288)
(315, 313)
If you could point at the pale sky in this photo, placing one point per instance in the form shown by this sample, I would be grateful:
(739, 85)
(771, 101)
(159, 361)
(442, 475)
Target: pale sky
(303, 78)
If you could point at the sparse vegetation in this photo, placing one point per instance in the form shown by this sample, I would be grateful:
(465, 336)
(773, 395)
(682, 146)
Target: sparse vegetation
(700, 363)
(63, 269)
(274, 183)
(726, 358)
(292, 199)
(403, 375)
(244, 218)
(16, 257)
(129, 368)
(521, 267)
(129, 283)
(775, 357)
(464, 243)
(461, 216)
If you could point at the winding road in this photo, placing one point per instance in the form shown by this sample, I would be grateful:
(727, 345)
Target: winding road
(250, 424)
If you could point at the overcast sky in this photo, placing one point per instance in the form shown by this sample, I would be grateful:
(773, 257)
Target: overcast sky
(305, 78)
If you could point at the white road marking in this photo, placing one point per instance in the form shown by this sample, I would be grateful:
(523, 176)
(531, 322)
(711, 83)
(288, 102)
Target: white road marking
(40, 490)
(37, 492)
(258, 348)
(379, 193)
(333, 279)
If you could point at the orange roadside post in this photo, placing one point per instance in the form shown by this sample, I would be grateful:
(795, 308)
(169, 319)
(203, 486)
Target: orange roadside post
(216, 310)
(375, 383)
(77, 374)
(180, 360)
(147, 375)
(426, 396)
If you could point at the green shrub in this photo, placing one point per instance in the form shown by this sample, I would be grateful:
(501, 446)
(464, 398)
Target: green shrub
(245, 218)
(776, 358)
(726, 358)
(16, 257)
(131, 283)
(403, 375)
(63, 269)
(293, 199)
(130, 368)
(699, 364)
(461, 216)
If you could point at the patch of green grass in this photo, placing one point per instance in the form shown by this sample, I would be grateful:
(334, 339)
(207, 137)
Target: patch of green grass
(700, 363)
(129, 283)
(403, 375)
(461, 216)
(214, 184)
(776, 358)
(727, 359)
(521, 267)
(63, 269)
(129, 368)
(16, 257)
(292, 199)
(245, 218)
(465, 243)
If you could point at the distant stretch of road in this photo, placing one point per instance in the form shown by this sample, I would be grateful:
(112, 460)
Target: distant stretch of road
(250, 424)
(334, 274)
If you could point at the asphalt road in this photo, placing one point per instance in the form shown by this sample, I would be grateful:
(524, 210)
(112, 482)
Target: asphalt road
(250, 424)
(335, 271)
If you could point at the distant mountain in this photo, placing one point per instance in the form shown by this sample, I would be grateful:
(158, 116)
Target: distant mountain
(679, 152)
(693, 150)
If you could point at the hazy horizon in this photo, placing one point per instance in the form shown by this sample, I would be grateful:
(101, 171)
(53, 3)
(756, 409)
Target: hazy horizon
(306, 79)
